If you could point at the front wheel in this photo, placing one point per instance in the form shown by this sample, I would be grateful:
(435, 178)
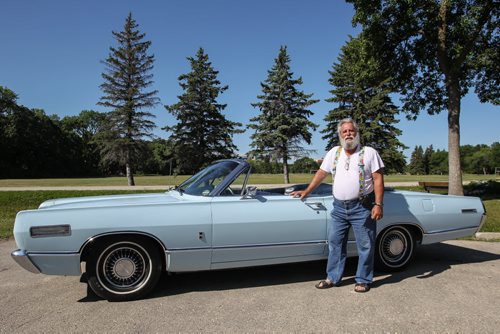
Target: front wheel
(395, 248)
(124, 270)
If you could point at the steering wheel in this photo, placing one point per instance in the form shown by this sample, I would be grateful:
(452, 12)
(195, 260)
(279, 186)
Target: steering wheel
(228, 192)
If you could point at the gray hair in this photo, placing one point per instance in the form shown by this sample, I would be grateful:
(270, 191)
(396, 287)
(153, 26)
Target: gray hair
(344, 121)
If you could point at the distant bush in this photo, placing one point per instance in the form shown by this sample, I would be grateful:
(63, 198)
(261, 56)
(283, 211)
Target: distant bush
(489, 189)
(304, 165)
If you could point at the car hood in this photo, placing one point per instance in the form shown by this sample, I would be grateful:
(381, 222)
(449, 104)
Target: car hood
(111, 200)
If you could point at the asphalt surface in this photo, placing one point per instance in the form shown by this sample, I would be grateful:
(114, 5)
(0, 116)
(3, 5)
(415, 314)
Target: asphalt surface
(450, 287)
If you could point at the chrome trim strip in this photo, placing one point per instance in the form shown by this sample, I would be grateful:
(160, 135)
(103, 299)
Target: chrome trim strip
(452, 230)
(89, 240)
(22, 259)
(52, 253)
(298, 243)
(447, 235)
(402, 224)
(186, 249)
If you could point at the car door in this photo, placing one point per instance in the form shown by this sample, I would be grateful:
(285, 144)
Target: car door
(267, 229)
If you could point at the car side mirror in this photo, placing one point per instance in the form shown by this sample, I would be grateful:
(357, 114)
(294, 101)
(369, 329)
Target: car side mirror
(250, 192)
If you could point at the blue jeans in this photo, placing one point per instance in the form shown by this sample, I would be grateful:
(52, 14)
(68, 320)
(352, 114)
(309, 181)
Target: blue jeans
(346, 214)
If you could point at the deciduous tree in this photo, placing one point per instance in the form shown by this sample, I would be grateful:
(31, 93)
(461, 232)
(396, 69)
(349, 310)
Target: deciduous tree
(304, 165)
(87, 127)
(436, 50)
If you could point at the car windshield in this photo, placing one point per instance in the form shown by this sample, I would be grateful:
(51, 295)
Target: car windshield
(202, 183)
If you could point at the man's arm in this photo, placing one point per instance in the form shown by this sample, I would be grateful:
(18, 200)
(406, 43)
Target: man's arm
(378, 188)
(316, 181)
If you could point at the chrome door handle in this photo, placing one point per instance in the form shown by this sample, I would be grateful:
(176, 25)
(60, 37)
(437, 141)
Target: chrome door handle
(316, 206)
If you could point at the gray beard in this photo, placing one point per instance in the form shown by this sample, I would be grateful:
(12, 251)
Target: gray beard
(350, 144)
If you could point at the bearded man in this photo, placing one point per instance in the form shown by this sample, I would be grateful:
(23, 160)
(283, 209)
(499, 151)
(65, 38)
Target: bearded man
(358, 192)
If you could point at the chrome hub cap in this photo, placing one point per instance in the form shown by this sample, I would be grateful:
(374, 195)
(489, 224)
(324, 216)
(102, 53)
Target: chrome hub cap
(124, 268)
(396, 247)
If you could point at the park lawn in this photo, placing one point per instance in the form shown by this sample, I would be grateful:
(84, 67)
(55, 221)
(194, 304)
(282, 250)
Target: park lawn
(155, 180)
(176, 180)
(492, 216)
(465, 177)
(13, 201)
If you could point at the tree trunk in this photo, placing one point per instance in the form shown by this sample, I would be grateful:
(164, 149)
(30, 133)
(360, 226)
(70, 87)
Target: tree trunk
(285, 169)
(130, 175)
(450, 68)
(455, 186)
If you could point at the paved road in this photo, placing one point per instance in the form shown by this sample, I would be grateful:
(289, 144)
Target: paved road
(450, 287)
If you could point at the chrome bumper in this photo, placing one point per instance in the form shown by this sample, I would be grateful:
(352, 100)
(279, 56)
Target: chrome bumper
(24, 261)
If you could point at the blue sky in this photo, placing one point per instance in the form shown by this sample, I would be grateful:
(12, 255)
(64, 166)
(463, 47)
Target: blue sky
(52, 52)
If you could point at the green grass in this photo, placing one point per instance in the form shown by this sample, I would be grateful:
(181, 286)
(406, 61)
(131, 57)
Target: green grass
(465, 177)
(175, 180)
(493, 216)
(97, 181)
(13, 201)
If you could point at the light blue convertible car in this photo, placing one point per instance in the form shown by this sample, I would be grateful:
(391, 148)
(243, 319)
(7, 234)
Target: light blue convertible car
(214, 220)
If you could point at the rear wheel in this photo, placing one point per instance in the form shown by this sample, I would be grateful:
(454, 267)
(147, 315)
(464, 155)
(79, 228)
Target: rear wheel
(124, 269)
(395, 248)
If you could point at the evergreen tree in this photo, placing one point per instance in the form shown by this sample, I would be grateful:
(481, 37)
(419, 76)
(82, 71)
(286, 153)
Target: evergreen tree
(362, 93)
(127, 77)
(283, 123)
(202, 133)
(427, 158)
(416, 166)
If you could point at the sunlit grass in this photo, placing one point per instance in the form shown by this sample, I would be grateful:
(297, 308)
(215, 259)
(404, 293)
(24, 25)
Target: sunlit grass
(493, 216)
(176, 180)
(12, 202)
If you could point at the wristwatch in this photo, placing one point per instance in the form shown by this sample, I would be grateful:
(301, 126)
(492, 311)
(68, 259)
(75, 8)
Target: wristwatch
(379, 204)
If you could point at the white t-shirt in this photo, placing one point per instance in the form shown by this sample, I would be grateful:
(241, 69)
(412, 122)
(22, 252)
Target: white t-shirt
(346, 182)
